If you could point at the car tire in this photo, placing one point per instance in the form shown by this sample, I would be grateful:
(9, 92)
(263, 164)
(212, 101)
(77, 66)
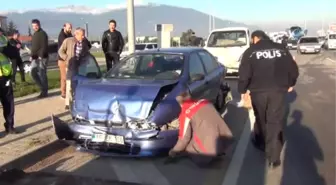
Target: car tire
(220, 100)
(224, 97)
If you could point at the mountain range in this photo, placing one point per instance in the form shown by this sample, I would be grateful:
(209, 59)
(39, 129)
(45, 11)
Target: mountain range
(146, 16)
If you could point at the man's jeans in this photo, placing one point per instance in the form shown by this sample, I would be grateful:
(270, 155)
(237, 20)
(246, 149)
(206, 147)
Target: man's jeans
(39, 74)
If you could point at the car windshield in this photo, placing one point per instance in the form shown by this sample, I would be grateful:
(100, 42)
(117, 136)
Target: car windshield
(333, 36)
(149, 66)
(309, 40)
(227, 38)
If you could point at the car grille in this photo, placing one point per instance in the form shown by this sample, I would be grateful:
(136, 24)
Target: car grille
(105, 147)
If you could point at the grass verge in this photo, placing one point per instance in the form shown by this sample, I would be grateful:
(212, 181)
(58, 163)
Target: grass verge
(24, 89)
(98, 54)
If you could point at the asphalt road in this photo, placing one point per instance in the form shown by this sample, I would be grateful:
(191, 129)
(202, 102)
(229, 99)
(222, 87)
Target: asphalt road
(309, 153)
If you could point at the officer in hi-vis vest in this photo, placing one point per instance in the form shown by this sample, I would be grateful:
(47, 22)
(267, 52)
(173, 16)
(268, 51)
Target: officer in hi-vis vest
(6, 89)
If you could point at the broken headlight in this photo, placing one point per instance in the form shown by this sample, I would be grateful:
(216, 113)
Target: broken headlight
(141, 125)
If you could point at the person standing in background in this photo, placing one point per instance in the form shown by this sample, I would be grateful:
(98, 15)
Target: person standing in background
(16, 59)
(112, 44)
(39, 56)
(66, 32)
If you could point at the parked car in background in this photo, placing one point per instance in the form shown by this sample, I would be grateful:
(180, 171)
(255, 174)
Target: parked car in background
(309, 45)
(138, 47)
(25, 55)
(135, 112)
(330, 42)
(292, 44)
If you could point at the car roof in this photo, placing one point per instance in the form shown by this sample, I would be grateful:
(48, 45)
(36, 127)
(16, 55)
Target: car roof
(230, 29)
(177, 50)
(307, 37)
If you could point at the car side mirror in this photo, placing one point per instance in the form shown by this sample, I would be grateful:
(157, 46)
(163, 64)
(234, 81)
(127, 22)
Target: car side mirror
(197, 77)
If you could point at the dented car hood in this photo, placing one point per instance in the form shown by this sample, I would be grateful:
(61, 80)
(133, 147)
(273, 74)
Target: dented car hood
(116, 100)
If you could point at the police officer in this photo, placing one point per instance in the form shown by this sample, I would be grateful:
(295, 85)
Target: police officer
(6, 89)
(268, 71)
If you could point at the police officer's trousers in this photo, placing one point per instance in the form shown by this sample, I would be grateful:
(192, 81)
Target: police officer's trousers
(270, 113)
(7, 101)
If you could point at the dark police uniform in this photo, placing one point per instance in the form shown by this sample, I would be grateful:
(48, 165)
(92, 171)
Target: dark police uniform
(268, 70)
(6, 90)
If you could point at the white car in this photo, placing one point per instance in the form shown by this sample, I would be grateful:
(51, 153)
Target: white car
(139, 47)
(228, 45)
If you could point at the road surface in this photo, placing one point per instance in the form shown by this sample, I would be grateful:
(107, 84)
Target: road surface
(310, 133)
(309, 153)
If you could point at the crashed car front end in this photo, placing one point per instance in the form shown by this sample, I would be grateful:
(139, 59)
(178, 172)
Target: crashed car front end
(134, 127)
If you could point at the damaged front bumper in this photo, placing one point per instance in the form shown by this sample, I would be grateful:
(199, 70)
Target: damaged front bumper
(115, 141)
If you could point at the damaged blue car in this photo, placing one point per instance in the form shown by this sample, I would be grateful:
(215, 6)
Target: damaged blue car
(131, 110)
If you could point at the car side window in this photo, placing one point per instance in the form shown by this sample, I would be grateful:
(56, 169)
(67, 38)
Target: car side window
(195, 65)
(149, 46)
(89, 68)
(209, 62)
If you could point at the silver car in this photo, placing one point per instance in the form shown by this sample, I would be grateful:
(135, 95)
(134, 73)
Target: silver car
(309, 45)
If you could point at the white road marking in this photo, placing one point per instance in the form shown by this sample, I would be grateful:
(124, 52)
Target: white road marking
(232, 174)
(331, 59)
(124, 172)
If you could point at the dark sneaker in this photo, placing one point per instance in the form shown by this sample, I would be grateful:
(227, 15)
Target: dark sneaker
(43, 95)
(11, 131)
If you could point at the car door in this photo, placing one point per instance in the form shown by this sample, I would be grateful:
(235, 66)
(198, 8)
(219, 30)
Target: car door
(196, 83)
(214, 74)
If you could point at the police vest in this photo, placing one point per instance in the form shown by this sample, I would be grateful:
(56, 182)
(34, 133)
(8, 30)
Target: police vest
(5, 66)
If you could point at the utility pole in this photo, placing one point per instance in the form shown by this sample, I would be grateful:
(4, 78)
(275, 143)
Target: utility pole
(87, 30)
(210, 24)
(130, 26)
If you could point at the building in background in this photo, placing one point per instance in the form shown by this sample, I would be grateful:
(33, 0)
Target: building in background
(3, 22)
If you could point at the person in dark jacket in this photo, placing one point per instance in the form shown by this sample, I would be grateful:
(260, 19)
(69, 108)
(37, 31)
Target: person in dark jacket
(268, 71)
(112, 44)
(39, 56)
(66, 32)
(203, 134)
(16, 59)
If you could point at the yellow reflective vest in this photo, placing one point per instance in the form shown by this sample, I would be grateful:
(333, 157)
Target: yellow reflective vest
(5, 66)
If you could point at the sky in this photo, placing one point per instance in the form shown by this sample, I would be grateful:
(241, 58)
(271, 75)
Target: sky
(249, 11)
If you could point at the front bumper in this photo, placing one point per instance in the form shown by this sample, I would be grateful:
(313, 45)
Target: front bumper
(135, 143)
(232, 70)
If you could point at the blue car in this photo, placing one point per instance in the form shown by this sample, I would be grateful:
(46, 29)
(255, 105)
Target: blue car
(131, 110)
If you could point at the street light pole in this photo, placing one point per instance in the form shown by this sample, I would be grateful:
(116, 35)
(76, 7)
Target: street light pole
(130, 26)
(87, 30)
